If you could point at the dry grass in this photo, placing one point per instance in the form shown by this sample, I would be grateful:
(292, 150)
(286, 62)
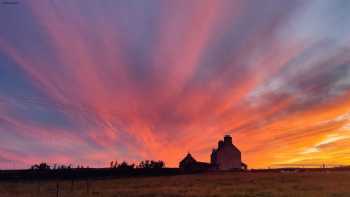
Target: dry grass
(212, 184)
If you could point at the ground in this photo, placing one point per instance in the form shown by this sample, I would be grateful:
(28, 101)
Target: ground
(209, 184)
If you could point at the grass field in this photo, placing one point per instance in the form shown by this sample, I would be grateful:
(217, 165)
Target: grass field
(209, 184)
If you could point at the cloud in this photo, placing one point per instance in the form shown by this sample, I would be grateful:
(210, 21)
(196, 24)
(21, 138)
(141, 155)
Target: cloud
(89, 84)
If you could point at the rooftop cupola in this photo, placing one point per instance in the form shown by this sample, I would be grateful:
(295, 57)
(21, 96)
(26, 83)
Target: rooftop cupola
(228, 139)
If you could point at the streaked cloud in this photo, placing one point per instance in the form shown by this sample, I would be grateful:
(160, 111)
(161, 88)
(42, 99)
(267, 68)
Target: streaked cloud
(89, 82)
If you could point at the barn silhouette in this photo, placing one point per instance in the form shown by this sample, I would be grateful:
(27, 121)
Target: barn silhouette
(225, 157)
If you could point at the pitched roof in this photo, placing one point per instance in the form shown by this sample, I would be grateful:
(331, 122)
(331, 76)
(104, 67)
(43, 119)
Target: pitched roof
(188, 159)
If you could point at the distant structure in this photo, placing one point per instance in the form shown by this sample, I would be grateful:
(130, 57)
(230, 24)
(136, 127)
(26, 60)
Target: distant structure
(226, 157)
(190, 164)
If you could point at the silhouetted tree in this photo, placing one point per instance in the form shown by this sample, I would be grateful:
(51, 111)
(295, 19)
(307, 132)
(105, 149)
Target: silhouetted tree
(41, 166)
(147, 164)
(125, 166)
(114, 164)
(64, 167)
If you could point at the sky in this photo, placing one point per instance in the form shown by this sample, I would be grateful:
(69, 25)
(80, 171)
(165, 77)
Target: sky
(86, 82)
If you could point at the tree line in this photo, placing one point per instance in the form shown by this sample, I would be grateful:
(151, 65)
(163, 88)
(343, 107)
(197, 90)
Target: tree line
(146, 164)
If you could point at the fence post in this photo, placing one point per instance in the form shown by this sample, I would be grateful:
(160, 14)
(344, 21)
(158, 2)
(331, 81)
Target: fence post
(72, 185)
(87, 186)
(57, 189)
(38, 188)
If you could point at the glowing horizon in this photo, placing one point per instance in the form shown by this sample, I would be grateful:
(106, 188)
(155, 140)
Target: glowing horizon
(87, 82)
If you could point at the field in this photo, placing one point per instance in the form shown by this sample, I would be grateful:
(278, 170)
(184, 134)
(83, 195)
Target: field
(207, 184)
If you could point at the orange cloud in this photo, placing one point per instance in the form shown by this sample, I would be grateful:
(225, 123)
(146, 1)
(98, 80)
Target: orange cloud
(171, 78)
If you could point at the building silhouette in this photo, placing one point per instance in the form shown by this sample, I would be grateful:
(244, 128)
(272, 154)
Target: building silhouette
(225, 157)
(191, 164)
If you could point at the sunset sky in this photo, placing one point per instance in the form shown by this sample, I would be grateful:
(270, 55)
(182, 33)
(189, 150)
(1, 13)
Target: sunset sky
(87, 82)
